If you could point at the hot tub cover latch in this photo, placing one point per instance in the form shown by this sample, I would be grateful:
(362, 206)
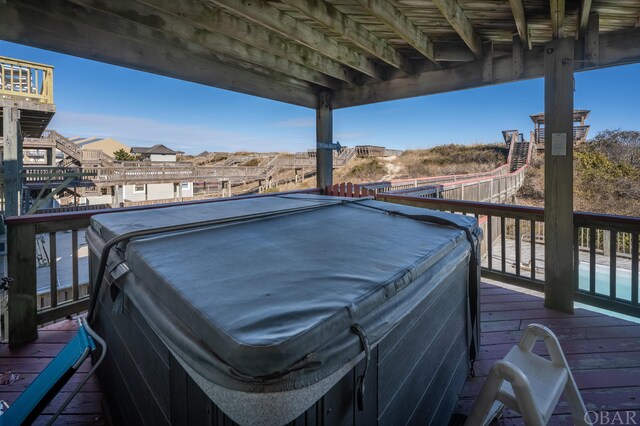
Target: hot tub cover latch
(364, 340)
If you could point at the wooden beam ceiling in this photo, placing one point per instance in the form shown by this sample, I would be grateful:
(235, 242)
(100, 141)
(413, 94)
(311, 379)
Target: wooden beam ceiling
(264, 14)
(401, 25)
(335, 20)
(453, 12)
(68, 29)
(615, 48)
(557, 9)
(204, 41)
(216, 20)
(517, 9)
(583, 18)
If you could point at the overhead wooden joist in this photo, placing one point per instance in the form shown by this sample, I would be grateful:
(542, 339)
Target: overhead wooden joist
(520, 19)
(401, 25)
(452, 10)
(264, 14)
(619, 48)
(358, 51)
(332, 18)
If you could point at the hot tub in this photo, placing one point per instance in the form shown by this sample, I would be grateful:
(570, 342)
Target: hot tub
(291, 308)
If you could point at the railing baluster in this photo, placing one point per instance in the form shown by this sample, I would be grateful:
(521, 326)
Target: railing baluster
(613, 246)
(592, 260)
(532, 260)
(634, 268)
(576, 259)
(489, 243)
(503, 241)
(53, 270)
(517, 229)
(74, 265)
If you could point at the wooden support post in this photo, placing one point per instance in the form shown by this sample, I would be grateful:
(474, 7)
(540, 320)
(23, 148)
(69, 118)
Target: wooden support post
(12, 161)
(592, 41)
(558, 175)
(487, 62)
(518, 58)
(324, 135)
(21, 264)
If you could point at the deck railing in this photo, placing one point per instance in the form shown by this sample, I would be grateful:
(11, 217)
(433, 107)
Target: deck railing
(39, 247)
(26, 80)
(513, 250)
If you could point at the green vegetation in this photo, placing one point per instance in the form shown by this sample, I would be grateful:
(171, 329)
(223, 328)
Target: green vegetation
(252, 163)
(606, 175)
(122, 155)
(367, 170)
(452, 159)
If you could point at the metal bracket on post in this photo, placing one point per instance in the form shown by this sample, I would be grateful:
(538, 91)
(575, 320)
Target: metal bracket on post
(332, 146)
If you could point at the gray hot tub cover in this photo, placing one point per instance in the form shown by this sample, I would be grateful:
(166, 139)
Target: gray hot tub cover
(266, 300)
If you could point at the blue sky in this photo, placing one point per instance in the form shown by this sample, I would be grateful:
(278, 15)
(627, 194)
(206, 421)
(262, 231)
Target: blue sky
(96, 99)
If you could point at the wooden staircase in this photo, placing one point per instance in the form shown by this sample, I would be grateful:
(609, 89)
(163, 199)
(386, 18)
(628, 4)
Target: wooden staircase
(519, 156)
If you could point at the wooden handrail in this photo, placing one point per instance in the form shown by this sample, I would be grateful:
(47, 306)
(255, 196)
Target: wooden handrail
(75, 215)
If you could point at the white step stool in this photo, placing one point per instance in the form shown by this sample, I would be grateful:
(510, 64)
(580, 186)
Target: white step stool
(529, 384)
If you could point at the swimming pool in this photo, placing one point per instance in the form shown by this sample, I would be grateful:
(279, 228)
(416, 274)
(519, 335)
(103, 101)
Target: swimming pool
(623, 280)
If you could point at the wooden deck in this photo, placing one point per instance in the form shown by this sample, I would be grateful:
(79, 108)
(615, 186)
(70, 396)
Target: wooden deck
(30, 359)
(604, 353)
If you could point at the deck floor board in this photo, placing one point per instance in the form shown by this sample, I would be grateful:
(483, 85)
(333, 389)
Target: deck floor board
(603, 352)
(28, 360)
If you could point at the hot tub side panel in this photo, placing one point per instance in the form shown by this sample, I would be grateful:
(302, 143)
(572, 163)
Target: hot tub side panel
(414, 376)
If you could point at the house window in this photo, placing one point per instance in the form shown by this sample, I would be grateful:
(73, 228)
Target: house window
(139, 189)
(185, 186)
(103, 191)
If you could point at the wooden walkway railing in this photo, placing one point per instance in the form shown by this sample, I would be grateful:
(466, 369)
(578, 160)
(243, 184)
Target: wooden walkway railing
(26, 308)
(26, 80)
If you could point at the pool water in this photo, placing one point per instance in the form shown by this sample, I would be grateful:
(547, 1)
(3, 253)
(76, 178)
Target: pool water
(623, 280)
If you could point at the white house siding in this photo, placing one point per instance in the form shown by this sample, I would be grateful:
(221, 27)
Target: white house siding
(163, 157)
(97, 199)
(185, 189)
(159, 191)
(130, 195)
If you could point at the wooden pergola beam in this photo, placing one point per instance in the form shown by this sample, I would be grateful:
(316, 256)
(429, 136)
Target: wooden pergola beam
(216, 20)
(614, 48)
(583, 18)
(268, 16)
(401, 25)
(332, 18)
(454, 13)
(517, 9)
(557, 9)
(58, 27)
(203, 41)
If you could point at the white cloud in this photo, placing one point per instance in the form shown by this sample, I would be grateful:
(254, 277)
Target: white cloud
(185, 137)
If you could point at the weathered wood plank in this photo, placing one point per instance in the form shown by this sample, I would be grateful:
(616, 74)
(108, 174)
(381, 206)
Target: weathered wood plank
(331, 17)
(324, 135)
(558, 180)
(21, 263)
(557, 10)
(264, 14)
(457, 17)
(50, 30)
(517, 9)
(401, 25)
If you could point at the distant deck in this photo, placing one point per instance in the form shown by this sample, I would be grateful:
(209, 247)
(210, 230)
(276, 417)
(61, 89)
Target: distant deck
(603, 351)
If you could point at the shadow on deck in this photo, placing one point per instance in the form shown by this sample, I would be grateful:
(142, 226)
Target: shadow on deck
(27, 361)
(603, 351)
